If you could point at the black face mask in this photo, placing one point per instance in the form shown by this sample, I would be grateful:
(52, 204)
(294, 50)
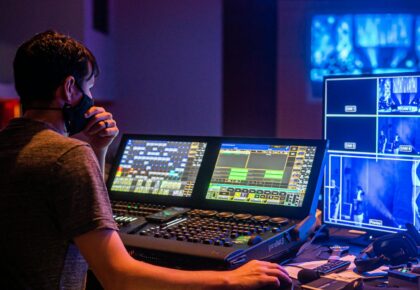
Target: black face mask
(74, 118)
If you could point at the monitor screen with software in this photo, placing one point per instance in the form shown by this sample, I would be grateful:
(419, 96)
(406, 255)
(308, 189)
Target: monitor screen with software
(372, 178)
(262, 173)
(158, 167)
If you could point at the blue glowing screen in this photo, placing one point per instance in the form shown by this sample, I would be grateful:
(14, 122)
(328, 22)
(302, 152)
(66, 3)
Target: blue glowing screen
(372, 178)
(364, 43)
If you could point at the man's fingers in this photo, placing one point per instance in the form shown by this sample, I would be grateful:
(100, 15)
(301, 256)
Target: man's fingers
(94, 111)
(275, 266)
(102, 126)
(271, 281)
(109, 132)
(97, 121)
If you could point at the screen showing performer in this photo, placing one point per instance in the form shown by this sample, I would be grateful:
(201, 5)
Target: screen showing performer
(372, 177)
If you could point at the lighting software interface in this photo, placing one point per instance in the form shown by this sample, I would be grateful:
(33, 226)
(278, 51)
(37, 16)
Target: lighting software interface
(263, 174)
(159, 167)
(372, 178)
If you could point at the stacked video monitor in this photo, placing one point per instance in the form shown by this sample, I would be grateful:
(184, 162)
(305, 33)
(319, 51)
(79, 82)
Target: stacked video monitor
(255, 175)
(372, 177)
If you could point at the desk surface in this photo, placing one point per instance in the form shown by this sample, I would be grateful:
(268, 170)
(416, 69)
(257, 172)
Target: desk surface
(316, 254)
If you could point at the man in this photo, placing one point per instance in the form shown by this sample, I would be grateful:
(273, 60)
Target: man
(382, 140)
(395, 145)
(335, 201)
(55, 211)
(415, 200)
(359, 206)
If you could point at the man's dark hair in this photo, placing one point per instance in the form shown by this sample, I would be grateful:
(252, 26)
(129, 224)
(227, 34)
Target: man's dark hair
(43, 62)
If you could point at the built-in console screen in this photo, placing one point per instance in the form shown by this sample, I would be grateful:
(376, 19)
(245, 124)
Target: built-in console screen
(167, 168)
(262, 174)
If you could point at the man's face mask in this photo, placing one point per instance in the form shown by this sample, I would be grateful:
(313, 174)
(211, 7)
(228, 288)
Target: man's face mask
(74, 118)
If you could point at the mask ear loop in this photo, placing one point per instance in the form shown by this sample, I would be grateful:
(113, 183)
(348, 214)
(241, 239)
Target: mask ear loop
(79, 87)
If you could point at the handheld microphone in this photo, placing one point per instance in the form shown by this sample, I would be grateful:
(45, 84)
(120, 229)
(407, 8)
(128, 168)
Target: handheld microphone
(307, 275)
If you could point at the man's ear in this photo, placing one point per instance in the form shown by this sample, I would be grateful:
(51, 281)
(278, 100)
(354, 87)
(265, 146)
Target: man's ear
(68, 89)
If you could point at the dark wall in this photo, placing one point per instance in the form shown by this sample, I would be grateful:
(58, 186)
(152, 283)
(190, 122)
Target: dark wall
(168, 60)
(249, 67)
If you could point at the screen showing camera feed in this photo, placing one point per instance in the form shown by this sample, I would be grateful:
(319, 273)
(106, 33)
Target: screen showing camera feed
(372, 176)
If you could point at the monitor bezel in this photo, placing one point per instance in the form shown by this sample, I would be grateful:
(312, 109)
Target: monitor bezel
(324, 109)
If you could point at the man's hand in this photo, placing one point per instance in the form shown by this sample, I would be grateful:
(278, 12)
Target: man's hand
(101, 129)
(256, 274)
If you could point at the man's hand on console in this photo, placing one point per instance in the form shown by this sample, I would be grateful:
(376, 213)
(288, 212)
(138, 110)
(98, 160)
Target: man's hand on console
(256, 274)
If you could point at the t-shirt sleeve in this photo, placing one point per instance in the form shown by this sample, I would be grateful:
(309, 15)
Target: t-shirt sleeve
(80, 199)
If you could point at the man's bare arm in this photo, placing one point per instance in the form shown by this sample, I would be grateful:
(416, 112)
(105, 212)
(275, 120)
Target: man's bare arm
(116, 269)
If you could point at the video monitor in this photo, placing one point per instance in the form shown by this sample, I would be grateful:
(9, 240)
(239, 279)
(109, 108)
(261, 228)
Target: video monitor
(372, 179)
(363, 43)
(157, 167)
(262, 174)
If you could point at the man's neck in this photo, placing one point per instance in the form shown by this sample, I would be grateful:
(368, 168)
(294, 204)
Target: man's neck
(52, 117)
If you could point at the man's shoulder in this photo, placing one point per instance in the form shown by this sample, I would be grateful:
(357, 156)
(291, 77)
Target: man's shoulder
(58, 142)
(53, 147)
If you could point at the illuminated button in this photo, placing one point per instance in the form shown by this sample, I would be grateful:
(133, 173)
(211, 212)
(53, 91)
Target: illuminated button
(228, 244)
(254, 240)
(219, 243)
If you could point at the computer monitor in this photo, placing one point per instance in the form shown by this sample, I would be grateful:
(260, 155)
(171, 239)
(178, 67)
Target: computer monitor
(279, 177)
(148, 166)
(372, 179)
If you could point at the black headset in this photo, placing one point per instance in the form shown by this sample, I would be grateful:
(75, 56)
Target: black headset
(392, 249)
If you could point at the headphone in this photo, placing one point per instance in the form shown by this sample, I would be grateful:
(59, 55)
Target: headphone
(393, 249)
